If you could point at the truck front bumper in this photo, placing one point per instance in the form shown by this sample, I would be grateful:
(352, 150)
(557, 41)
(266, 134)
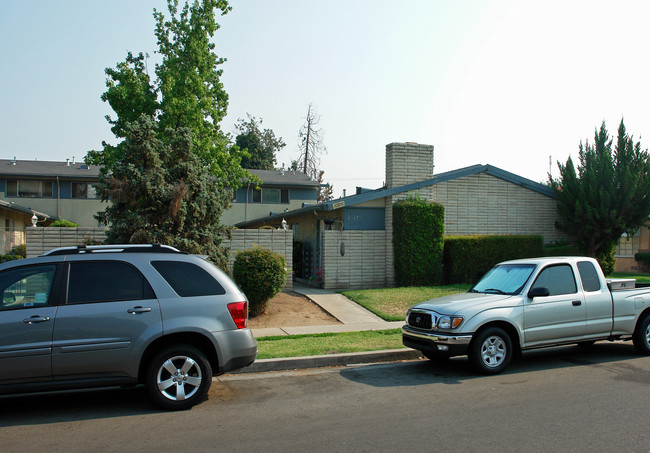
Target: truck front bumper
(435, 343)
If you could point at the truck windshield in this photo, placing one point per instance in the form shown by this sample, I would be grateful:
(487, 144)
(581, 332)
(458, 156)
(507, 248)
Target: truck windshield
(506, 279)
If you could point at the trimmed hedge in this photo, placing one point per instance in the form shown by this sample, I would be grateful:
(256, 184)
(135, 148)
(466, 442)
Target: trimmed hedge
(418, 227)
(260, 274)
(468, 258)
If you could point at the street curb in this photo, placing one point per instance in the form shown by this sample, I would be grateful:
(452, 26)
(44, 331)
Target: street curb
(294, 363)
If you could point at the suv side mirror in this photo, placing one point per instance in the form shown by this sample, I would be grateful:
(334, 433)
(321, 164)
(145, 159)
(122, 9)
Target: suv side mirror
(540, 291)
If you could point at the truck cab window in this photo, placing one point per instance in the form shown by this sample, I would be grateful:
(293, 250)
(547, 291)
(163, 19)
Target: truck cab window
(558, 279)
(589, 276)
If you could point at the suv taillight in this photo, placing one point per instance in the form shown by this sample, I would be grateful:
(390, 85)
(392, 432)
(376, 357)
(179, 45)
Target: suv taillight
(239, 313)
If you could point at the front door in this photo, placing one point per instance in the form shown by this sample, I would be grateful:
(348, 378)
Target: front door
(27, 317)
(558, 317)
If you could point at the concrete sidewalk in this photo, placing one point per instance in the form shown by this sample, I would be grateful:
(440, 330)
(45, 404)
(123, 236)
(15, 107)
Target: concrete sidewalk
(353, 318)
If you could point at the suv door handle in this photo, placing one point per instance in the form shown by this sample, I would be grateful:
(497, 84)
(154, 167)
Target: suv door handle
(576, 303)
(35, 319)
(138, 309)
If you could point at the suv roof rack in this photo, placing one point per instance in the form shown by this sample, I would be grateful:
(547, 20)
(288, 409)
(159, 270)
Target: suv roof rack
(113, 248)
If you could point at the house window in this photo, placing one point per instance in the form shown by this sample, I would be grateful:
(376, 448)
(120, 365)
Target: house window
(29, 189)
(270, 196)
(83, 190)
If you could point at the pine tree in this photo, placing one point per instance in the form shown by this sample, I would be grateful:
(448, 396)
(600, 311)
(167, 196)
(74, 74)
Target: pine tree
(609, 194)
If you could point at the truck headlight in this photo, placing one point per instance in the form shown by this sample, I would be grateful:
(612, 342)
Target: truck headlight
(449, 322)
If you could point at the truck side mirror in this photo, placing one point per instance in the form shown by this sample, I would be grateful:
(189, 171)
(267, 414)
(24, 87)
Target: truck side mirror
(540, 291)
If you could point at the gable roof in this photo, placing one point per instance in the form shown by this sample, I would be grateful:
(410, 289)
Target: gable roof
(384, 192)
(47, 169)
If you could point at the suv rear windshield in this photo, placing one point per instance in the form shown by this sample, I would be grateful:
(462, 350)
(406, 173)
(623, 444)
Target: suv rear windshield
(187, 279)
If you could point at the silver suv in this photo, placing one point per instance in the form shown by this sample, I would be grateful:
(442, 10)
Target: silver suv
(121, 315)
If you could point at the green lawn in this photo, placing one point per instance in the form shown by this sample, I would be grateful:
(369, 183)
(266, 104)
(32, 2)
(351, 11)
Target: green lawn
(328, 343)
(391, 303)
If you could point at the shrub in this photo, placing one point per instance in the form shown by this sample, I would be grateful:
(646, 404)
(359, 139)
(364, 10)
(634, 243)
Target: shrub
(467, 258)
(17, 252)
(606, 258)
(5, 258)
(261, 274)
(643, 258)
(63, 223)
(418, 227)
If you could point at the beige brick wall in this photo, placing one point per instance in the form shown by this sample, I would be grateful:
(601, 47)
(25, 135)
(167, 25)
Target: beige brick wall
(363, 264)
(485, 204)
(40, 240)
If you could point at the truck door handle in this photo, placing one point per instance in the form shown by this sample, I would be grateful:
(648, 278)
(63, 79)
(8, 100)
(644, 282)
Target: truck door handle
(36, 319)
(576, 303)
(138, 309)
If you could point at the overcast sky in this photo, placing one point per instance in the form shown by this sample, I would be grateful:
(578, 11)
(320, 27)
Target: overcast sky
(507, 83)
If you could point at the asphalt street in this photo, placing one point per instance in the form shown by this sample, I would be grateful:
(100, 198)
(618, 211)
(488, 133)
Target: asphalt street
(561, 399)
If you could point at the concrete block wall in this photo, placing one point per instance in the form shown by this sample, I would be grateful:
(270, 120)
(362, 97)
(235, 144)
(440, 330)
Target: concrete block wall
(485, 204)
(39, 240)
(406, 163)
(363, 263)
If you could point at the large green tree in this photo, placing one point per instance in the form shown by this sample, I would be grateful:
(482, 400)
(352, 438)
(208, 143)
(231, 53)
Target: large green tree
(260, 146)
(607, 196)
(186, 99)
(161, 193)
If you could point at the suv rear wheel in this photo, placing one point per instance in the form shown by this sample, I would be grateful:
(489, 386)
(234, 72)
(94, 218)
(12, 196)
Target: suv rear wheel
(178, 377)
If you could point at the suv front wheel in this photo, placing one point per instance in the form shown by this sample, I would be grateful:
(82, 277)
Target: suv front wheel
(178, 377)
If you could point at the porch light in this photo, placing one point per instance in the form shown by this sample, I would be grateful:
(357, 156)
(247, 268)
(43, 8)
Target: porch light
(34, 220)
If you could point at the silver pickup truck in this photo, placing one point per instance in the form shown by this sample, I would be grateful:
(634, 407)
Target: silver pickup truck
(526, 304)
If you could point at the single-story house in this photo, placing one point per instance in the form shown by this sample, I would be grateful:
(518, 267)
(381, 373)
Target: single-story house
(348, 241)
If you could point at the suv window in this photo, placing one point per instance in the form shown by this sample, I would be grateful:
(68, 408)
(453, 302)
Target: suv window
(27, 286)
(589, 276)
(187, 279)
(104, 281)
(558, 279)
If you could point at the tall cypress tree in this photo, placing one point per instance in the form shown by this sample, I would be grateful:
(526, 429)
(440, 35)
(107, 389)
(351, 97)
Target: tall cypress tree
(609, 194)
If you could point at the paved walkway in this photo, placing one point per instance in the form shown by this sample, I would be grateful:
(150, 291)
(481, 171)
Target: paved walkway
(353, 317)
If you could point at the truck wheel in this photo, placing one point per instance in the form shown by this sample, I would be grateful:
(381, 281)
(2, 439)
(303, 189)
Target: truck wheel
(641, 337)
(178, 377)
(491, 351)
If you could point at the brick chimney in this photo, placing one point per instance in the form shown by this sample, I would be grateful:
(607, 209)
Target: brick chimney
(406, 163)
